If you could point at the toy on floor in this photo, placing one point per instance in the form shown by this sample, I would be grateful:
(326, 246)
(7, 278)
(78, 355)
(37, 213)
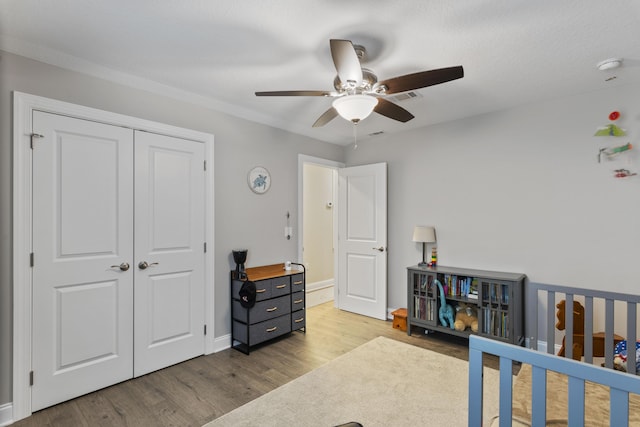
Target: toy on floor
(445, 312)
(466, 317)
(578, 332)
(620, 356)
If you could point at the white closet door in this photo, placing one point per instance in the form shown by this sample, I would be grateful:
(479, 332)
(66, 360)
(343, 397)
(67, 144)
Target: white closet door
(169, 251)
(82, 233)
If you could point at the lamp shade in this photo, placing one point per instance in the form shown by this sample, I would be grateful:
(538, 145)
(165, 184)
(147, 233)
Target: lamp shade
(424, 234)
(355, 107)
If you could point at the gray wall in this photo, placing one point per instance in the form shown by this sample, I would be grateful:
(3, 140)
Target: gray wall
(519, 190)
(242, 218)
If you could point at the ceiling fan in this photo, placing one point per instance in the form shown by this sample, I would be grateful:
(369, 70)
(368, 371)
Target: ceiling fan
(358, 91)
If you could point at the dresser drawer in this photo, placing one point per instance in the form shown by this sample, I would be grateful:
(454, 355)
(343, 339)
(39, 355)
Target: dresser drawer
(262, 331)
(263, 289)
(269, 329)
(280, 286)
(297, 301)
(297, 282)
(263, 310)
(298, 320)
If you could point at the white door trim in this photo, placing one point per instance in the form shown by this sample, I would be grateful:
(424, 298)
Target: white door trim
(23, 106)
(302, 159)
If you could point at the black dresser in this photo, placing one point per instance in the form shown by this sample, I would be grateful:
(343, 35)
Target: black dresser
(279, 307)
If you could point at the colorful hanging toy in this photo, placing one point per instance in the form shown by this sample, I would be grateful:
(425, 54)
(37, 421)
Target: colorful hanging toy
(623, 173)
(611, 152)
(611, 129)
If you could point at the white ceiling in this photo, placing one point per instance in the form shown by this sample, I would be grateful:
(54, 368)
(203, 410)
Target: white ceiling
(217, 53)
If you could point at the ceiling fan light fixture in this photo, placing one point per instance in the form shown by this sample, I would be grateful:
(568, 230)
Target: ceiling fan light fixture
(355, 107)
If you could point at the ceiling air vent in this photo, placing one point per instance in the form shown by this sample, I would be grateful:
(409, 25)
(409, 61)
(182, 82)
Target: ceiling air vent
(405, 96)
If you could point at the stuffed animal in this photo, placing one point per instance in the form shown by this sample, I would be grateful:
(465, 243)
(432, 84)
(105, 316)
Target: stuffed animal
(620, 356)
(445, 312)
(466, 317)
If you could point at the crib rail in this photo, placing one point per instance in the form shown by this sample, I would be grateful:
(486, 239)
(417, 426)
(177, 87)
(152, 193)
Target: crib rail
(620, 384)
(536, 293)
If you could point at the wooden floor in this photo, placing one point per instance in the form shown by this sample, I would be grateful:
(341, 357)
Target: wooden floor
(202, 389)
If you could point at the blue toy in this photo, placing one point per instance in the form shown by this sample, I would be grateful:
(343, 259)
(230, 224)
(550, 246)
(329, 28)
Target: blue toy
(445, 312)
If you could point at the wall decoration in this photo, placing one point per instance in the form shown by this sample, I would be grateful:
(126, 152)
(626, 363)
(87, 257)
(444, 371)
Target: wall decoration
(620, 154)
(611, 129)
(611, 152)
(623, 173)
(259, 180)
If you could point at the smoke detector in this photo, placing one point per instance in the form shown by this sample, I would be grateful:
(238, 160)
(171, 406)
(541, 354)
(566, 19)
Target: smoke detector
(609, 64)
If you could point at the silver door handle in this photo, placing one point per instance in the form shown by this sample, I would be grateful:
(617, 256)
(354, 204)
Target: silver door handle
(124, 266)
(380, 249)
(144, 264)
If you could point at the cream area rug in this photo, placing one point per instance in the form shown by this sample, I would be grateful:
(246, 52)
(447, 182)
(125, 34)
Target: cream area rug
(381, 383)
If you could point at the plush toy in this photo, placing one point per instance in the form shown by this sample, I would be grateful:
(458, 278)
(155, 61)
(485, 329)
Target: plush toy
(620, 357)
(445, 312)
(466, 316)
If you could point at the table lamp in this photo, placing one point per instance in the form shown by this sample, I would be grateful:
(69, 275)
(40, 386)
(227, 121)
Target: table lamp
(424, 235)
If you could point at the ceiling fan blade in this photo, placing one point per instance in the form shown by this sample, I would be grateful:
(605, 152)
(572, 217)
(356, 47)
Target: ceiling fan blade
(393, 111)
(326, 117)
(297, 93)
(421, 79)
(346, 61)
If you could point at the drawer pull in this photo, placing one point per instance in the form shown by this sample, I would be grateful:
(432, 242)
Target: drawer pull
(298, 282)
(299, 320)
(281, 286)
(259, 291)
(269, 310)
(298, 301)
(272, 329)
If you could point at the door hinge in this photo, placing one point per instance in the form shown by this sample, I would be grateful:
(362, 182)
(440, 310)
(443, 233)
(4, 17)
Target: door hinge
(205, 247)
(34, 135)
(32, 260)
(205, 165)
(31, 378)
(205, 329)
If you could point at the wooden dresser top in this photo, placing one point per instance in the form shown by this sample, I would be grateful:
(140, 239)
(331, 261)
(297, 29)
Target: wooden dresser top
(268, 272)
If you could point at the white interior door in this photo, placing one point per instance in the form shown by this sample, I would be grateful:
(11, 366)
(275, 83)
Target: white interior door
(169, 251)
(362, 240)
(82, 233)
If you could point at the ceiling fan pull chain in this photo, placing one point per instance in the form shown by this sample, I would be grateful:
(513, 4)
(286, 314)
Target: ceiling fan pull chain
(355, 135)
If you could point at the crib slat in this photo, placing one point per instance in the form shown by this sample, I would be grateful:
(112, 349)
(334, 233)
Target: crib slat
(569, 326)
(506, 388)
(632, 308)
(618, 408)
(576, 402)
(608, 332)
(551, 332)
(538, 396)
(475, 387)
(588, 329)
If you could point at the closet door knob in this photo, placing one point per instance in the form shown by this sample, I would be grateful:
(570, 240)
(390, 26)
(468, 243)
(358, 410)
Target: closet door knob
(144, 264)
(124, 266)
(380, 249)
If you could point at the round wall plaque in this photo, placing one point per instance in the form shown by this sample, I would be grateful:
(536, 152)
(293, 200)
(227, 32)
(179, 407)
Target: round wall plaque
(259, 180)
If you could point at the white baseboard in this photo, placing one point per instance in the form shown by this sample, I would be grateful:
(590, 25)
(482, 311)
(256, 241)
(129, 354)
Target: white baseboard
(6, 414)
(221, 343)
(542, 347)
(319, 292)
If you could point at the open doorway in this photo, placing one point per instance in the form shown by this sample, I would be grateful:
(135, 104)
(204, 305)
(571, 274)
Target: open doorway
(317, 222)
